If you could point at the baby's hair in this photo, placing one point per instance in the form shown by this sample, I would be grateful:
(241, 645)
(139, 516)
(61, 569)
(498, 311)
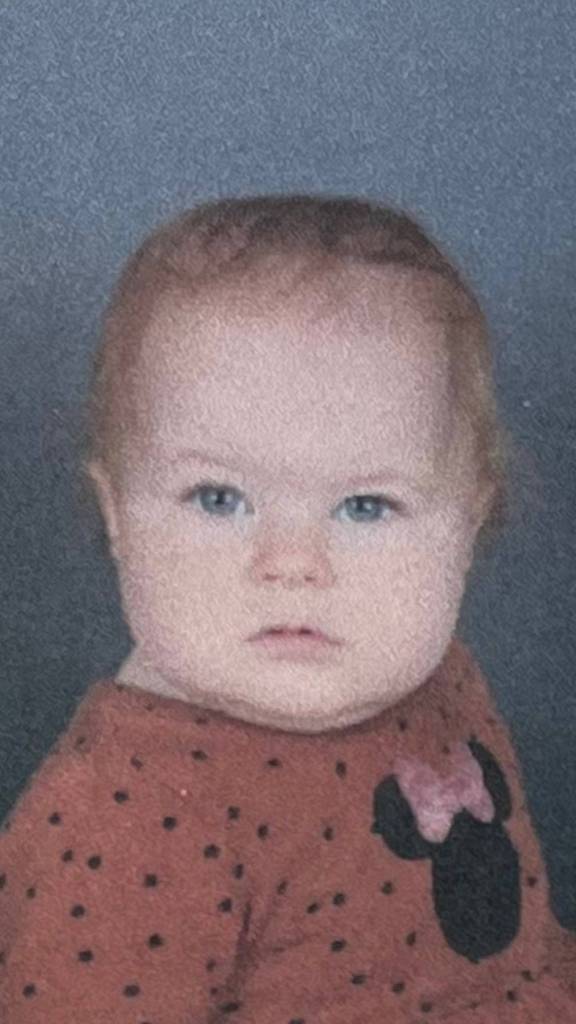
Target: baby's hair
(246, 237)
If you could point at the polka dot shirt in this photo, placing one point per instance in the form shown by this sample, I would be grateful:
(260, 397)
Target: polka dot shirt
(168, 865)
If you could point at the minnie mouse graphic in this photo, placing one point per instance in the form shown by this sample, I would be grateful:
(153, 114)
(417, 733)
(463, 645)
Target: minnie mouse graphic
(457, 821)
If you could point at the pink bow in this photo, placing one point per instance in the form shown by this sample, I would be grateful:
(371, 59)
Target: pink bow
(435, 800)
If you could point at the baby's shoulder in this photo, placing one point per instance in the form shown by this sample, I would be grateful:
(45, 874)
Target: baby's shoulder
(67, 774)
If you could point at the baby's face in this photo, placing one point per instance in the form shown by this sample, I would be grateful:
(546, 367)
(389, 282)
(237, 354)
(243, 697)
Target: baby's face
(341, 493)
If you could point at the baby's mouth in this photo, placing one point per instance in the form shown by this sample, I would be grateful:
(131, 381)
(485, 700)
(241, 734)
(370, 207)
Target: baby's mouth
(303, 632)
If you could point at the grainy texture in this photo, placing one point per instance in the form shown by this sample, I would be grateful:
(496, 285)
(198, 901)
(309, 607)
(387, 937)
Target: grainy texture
(171, 866)
(112, 119)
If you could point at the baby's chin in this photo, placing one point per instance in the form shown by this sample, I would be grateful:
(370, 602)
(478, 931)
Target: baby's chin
(306, 724)
(304, 700)
(298, 719)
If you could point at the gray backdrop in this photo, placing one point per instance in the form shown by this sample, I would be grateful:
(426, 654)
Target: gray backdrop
(114, 115)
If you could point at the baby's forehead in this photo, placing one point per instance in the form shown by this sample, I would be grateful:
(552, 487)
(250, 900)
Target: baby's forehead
(358, 297)
(276, 374)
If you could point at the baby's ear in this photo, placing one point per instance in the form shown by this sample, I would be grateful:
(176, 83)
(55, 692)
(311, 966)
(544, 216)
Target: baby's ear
(107, 503)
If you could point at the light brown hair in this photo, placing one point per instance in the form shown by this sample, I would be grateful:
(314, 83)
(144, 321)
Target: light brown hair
(221, 239)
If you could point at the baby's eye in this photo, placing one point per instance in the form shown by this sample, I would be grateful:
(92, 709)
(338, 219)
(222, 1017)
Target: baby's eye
(357, 503)
(220, 507)
(376, 501)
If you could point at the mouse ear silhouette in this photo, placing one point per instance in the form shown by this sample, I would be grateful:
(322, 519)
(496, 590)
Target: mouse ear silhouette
(395, 821)
(494, 779)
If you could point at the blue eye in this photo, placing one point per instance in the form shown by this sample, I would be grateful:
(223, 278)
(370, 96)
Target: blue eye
(377, 501)
(219, 507)
(222, 508)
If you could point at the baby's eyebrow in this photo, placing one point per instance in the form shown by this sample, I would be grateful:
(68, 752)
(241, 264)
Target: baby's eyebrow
(387, 475)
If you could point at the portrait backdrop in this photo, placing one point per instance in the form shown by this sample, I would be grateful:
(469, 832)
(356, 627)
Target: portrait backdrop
(116, 115)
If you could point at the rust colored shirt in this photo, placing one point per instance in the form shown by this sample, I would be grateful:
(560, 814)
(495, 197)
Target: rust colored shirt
(168, 865)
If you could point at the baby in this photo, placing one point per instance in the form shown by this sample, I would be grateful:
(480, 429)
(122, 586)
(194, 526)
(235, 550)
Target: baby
(296, 802)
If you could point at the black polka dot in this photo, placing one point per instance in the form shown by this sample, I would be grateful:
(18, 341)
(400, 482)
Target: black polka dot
(532, 881)
(131, 990)
(281, 888)
(528, 976)
(80, 741)
(214, 851)
(230, 1007)
(30, 893)
(445, 749)
(29, 990)
(2, 881)
(136, 762)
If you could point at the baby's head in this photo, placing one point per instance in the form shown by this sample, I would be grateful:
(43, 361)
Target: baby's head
(332, 373)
